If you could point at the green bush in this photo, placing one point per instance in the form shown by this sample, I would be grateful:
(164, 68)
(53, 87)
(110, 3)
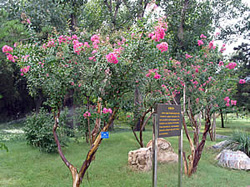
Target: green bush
(240, 141)
(38, 131)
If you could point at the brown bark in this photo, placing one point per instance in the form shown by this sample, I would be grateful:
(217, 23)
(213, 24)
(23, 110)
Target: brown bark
(77, 177)
(222, 119)
(95, 146)
(72, 169)
(143, 123)
(185, 163)
(199, 149)
(97, 123)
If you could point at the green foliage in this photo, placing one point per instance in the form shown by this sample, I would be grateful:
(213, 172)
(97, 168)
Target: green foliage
(240, 141)
(38, 131)
(16, 102)
(3, 146)
(186, 21)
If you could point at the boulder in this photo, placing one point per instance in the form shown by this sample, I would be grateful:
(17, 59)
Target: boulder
(234, 159)
(165, 152)
(221, 145)
(140, 159)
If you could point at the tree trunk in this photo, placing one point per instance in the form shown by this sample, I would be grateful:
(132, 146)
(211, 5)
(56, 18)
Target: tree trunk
(137, 101)
(78, 176)
(222, 119)
(199, 149)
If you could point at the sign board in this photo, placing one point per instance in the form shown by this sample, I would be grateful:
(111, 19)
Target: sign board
(168, 120)
(104, 134)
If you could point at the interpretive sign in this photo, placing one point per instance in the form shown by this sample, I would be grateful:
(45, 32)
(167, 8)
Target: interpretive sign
(168, 120)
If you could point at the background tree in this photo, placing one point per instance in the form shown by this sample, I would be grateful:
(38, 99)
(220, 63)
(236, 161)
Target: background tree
(15, 101)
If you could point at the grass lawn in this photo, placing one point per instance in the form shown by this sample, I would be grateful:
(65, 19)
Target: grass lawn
(25, 166)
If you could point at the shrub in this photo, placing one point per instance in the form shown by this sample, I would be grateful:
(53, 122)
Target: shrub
(38, 131)
(240, 141)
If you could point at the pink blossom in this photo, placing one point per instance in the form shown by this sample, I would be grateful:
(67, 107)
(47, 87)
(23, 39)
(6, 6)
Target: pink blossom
(200, 42)
(227, 104)
(197, 70)
(79, 85)
(86, 114)
(162, 46)
(86, 45)
(202, 36)
(242, 81)
(25, 69)
(233, 102)
(75, 37)
(226, 99)
(188, 56)
(128, 116)
(92, 58)
(112, 58)
(105, 110)
(7, 48)
(95, 38)
(221, 63)
(28, 21)
(211, 44)
(11, 58)
(197, 100)
(231, 65)
(94, 51)
(62, 39)
(157, 76)
(72, 83)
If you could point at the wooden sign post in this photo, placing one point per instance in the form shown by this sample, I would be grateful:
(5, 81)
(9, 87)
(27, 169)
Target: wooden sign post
(167, 123)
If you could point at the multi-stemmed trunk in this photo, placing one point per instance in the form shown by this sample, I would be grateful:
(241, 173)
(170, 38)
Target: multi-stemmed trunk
(77, 176)
(191, 165)
(142, 125)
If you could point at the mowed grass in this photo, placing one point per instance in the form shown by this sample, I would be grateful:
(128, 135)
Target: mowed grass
(233, 124)
(25, 166)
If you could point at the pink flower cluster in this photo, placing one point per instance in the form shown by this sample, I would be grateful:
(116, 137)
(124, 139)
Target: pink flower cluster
(96, 40)
(231, 65)
(154, 73)
(221, 63)
(112, 58)
(105, 111)
(11, 58)
(24, 70)
(7, 48)
(233, 102)
(242, 81)
(200, 42)
(211, 45)
(78, 46)
(202, 36)
(159, 32)
(188, 56)
(223, 48)
(162, 46)
(86, 114)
